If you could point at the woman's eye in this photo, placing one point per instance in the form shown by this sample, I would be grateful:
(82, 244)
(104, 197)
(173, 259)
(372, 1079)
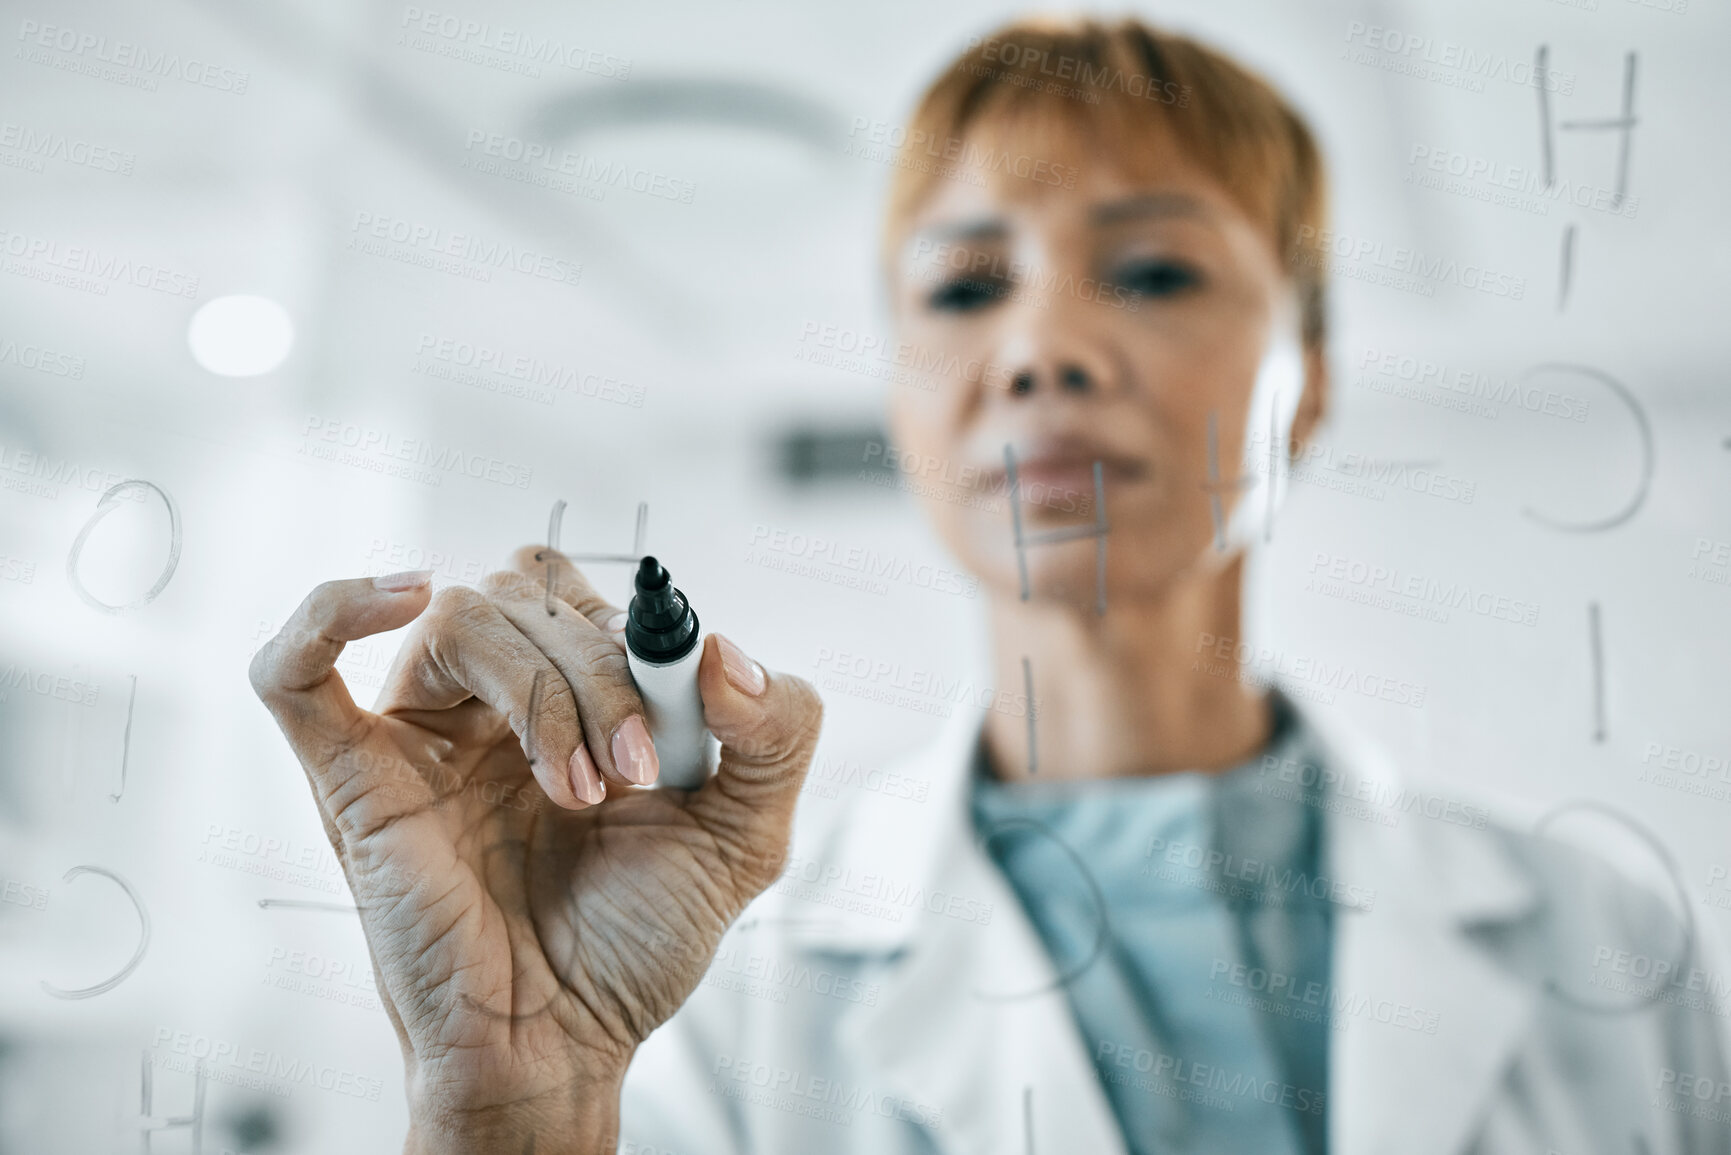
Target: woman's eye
(1158, 278)
(965, 295)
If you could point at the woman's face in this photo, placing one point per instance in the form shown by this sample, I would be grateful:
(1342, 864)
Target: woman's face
(1147, 324)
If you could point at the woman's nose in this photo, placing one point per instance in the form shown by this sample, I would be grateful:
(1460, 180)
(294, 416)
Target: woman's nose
(1069, 376)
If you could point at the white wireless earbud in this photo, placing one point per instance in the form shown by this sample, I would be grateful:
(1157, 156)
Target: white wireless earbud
(1266, 459)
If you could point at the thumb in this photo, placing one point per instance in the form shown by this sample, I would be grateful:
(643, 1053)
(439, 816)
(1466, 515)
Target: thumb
(767, 724)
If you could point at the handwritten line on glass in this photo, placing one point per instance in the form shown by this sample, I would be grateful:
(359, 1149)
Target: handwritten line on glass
(1655, 997)
(1566, 272)
(137, 955)
(148, 1123)
(109, 502)
(126, 739)
(1102, 932)
(1028, 691)
(304, 904)
(1273, 463)
(1215, 487)
(1625, 124)
(1641, 426)
(636, 545)
(1541, 63)
(534, 709)
(553, 520)
(1596, 640)
(1097, 531)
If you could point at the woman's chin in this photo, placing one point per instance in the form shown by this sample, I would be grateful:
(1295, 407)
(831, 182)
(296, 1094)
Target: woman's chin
(1072, 582)
(1070, 575)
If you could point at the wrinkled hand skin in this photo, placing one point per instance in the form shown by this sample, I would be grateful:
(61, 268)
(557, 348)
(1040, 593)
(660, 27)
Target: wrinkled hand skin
(526, 941)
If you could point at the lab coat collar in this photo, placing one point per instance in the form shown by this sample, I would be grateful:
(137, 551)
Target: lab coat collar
(946, 1034)
(1393, 1088)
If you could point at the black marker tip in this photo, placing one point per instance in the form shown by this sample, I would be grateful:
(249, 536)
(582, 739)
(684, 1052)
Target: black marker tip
(659, 623)
(651, 575)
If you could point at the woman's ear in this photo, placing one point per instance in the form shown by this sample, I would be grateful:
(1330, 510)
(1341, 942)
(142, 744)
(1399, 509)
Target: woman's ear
(1313, 404)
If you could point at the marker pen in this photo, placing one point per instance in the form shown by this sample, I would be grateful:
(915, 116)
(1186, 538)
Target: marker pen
(664, 645)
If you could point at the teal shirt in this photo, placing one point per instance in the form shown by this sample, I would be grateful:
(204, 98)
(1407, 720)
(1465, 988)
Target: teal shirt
(1168, 904)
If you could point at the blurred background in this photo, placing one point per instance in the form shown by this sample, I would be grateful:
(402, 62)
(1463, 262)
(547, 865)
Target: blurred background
(260, 259)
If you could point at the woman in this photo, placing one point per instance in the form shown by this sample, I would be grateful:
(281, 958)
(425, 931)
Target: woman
(1209, 925)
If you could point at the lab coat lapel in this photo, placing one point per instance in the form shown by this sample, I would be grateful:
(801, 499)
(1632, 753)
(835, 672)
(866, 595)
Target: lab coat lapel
(1409, 960)
(958, 1027)
(974, 1020)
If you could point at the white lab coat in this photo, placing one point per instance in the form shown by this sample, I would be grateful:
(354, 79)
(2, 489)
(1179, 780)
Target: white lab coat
(860, 1006)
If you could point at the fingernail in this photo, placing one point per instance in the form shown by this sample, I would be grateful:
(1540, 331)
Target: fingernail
(634, 753)
(397, 583)
(585, 778)
(616, 623)
(745, 674)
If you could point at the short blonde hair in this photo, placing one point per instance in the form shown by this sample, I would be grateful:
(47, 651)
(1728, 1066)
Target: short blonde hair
(1052, 83)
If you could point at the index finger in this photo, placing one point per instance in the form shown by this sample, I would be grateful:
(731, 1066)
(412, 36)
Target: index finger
(294, 674)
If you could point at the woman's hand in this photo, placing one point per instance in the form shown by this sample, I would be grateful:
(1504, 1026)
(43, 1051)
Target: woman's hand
(524, 950)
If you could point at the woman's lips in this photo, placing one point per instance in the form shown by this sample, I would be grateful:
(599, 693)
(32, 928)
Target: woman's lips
(1071, 474)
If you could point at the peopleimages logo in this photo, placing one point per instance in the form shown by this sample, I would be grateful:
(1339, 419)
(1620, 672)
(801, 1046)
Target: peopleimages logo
(17, 569)
(64, 687)
(84, 50)
(1379, 801)
(1093, 78)
(38, 145)
(224, 1061)
(1330, 248)
(894, 143)
(540, 378)
(1688, 771)
(891, 895)
(345, 442)
(581, 167)
(40, 359)
(22, 894)
(796, 1092)
(1445, 57)
(1523, 181)
(898, 362)
(1206, 1084)
(1298, 674)
(860, 560)
(1274, 992)
(980, 263)
(521, 47)
(936, 471)
(1470, 384)
(927, 691)
(85, 261)
(828, 776)
(42, 476)
(1422, 588)
(771, 977)
(429, 242)
(1682, 1086)
(1209, 868)
(1315, 462)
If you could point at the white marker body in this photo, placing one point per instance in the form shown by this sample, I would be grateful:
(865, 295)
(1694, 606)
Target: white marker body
(674, 708)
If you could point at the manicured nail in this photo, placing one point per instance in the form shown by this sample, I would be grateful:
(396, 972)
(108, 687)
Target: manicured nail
(585, 778)
(634, 753)
(616, 623)
(397, 583)
(745, 674)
